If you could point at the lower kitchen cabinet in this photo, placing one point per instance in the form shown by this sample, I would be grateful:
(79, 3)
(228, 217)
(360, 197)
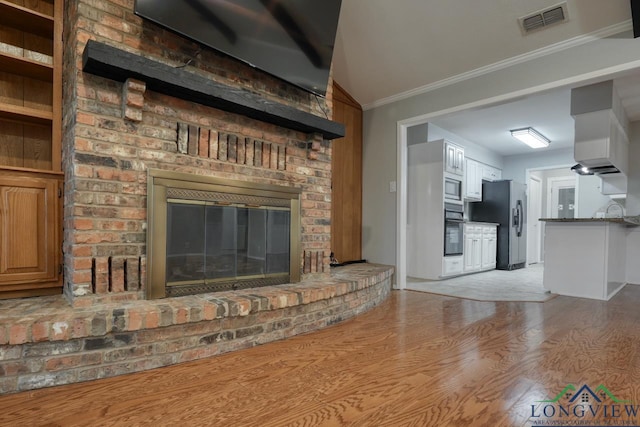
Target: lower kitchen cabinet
(452, 266)
(489, 247)
(472, 248)
(480, 244)
(30, 234)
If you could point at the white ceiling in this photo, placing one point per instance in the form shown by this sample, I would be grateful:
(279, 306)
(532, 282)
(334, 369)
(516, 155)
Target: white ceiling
(547, 113)
(386, 49)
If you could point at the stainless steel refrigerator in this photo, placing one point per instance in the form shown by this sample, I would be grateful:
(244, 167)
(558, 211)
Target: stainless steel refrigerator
(504, 203)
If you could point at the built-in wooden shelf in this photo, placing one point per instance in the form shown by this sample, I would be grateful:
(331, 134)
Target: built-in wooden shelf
(116, 64)
(26, 67)
(30, 136)
(25, 19)
(25, 114)
(39, 172)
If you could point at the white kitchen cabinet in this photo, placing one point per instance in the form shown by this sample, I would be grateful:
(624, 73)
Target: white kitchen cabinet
(477, 253)
(489, 247)
(453, 159)
(489, 173)
(425, 211)
(480, 246)
(585, 259)
(469, 240)
(472, 248)
(473, 181)
(452, 266)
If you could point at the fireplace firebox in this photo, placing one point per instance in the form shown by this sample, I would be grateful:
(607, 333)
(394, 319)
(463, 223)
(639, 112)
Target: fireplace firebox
(210, 234)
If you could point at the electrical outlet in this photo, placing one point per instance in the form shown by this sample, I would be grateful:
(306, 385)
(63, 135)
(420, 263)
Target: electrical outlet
(392, 187)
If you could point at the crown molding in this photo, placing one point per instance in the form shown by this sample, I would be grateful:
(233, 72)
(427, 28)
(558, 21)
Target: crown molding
(519, 59)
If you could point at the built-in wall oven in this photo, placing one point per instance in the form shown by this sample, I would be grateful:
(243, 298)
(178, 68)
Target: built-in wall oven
(452, 189)
(453, 229)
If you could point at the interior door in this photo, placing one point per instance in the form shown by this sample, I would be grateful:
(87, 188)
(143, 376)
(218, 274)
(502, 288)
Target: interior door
(562, 195)
(535, 212)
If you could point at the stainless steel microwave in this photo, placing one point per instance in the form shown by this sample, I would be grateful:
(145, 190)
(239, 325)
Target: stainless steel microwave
(452, 189)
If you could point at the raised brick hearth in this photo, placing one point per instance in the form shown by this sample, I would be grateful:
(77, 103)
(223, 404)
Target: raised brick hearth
(45, 343)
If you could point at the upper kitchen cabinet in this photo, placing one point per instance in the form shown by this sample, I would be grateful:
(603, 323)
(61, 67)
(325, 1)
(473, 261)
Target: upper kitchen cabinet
(30, 147)
(473, 181)
(454, 158)
(489, 173)
(475, 173)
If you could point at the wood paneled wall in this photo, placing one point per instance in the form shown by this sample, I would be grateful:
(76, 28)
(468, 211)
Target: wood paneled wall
(346, 193)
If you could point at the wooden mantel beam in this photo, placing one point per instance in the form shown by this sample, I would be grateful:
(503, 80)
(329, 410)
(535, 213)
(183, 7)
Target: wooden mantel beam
(116, 64)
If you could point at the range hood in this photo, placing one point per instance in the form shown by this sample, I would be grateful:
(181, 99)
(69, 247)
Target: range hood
(601, 144)
(581, 169)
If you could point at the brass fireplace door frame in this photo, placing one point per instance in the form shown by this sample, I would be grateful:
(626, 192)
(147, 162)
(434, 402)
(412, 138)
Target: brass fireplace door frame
(166, 185)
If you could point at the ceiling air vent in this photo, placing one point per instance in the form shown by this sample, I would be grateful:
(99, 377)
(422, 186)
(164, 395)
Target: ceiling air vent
(544, 18)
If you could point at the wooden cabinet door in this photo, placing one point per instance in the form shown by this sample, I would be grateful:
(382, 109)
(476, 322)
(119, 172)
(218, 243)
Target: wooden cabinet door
(29, 232)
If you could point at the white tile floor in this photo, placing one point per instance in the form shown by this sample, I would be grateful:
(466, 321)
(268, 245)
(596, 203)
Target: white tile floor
(524, 284)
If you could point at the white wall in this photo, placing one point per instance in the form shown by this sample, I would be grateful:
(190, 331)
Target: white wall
(515, 167)
(590, 197)
(545, 175)
(425, 209)
(633, 204)
(590, 62)
(471, 149)
(633, 255)
(430, 132)
(633, 183)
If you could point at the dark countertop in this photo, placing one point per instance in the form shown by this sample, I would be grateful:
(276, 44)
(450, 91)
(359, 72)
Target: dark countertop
(627, 220)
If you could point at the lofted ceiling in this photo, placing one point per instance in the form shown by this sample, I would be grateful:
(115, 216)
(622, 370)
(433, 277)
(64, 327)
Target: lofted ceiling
(388, 50)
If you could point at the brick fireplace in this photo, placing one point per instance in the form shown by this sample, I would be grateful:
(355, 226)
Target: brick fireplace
(117, 131)
(139, 103)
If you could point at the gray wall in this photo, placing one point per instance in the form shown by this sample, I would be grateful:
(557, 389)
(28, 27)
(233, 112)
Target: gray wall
(380, 124)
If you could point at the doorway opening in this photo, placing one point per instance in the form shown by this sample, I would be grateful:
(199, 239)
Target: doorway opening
(551, 193)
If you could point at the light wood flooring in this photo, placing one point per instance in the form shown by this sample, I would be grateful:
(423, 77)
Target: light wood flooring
(417, 360)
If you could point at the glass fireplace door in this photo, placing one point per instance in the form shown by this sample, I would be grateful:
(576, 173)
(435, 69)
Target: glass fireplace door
(212, 243)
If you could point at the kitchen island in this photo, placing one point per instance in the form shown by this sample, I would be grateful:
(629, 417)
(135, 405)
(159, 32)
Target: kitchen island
(586, 257)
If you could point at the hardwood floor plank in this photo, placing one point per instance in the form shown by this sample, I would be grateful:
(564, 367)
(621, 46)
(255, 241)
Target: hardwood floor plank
(417, 360)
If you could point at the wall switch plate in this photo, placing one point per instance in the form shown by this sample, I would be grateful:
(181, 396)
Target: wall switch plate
(392, 187)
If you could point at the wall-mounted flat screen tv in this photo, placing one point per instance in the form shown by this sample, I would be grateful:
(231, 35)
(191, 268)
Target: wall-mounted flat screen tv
(290, 39)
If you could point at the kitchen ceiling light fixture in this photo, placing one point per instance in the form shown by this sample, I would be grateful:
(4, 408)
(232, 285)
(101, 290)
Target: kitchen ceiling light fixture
(531, 137)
